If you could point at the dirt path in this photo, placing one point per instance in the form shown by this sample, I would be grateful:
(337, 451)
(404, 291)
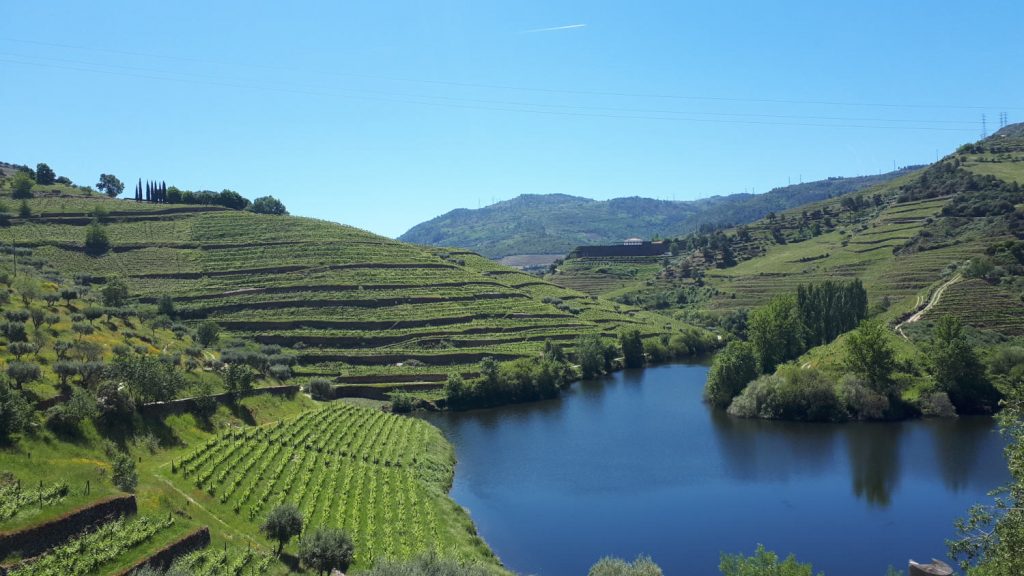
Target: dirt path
(205, 509)
(931, 302)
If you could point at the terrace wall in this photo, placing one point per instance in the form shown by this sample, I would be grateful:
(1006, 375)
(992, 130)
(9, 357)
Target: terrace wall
(645, 249)
(166, 556)
(188, 404)
(35, 540)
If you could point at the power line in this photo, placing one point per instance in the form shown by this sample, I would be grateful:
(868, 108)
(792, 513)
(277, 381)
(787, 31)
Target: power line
(530, 88)
(491, 105)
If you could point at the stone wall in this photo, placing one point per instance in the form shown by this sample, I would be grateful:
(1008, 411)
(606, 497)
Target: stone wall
(163, 558)
(37, 539)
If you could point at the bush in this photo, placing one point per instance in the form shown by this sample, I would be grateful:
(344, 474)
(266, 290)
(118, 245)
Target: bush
(401, 402)
(320, 389)
(115, 403)
(326, 549)
(762, 563)
(115, 293)
(860, 401)
(280, 372)
(67, 418)
(790, 394)
(608, 566)
(21, 186)
(938, 405)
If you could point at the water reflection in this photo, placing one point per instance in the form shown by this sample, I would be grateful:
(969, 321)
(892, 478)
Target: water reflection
(764, 450)
(874, 450)
(958, 447)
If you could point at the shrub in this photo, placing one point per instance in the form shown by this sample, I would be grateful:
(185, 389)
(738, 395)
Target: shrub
(401, 402)
(319, 388)
(67, 418)
(115, 403)
(608, 566)
(115, 293)
(21, 186)
(791, 394)
(938, 405)
(762, 563)
(859, 400)
(280, 372)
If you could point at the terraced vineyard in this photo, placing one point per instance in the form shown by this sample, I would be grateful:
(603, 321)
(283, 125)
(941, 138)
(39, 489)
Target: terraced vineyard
(361, 306)
(88, 553)
(224, 563)
(381, 478)
(981, 304)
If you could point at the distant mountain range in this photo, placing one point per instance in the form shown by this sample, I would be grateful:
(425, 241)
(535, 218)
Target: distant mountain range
(557, 223)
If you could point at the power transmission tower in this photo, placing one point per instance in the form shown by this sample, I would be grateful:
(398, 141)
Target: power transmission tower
(984, 129)
(1002, 120)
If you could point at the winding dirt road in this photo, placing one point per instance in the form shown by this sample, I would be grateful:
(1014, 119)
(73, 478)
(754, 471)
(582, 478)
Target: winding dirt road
(931, 302)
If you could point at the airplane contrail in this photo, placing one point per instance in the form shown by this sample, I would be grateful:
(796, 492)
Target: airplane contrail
(554, 28)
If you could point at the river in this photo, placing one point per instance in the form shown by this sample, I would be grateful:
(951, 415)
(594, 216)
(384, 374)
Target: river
(634, 463)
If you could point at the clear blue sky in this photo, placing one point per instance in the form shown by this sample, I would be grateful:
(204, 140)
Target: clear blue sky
(383, 114)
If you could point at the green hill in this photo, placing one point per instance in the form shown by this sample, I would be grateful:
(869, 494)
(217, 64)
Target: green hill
(349, 305)
(557, 223)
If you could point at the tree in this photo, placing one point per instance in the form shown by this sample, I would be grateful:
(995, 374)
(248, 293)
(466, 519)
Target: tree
(28, 288)
(870, 355)
(24, 210)
(21, 186)
(15, 412)
(608, 566)
(958, 371)
(319, 388)
(207, 332)
(282, 524)
(776, 333)
(590, 355)
(96, 241)
(268, 205)
(238, 377)
(165, 306)
(732, 369)
(326, 549)
(45, 175)
(632, 349)
(23, 372)
(123, 473)
(110, 184)
(762, 563)
(67, 418)
(115, 292)
(148, 378)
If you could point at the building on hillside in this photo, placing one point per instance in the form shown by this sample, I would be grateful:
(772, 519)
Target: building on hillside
(629, 247)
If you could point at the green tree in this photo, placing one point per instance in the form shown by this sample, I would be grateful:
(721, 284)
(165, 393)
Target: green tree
(110, 185)
(732, 369)
(326, 549)
(238, 377)
(96, 241)
(28, 288)
(21, 186)
(632, 349)
(115, 292)
(165, 306)
(608, 566)
(44, 174)
(590, 355)
(122, 471)
(15, 412)
(268, 205)
(958, 371)
(870, 355)
(319, 388)
(776, 332)
(24, 210)
(762, 563)
(23, 372)
(207, 332)
(282, 524)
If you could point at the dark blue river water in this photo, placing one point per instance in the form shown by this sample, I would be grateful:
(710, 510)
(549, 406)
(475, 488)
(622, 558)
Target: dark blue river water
(635, 463)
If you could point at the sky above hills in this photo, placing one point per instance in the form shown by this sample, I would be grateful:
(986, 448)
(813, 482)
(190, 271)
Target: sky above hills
(385, 114)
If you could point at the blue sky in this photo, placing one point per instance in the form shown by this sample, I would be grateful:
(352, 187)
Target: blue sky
(384, 114)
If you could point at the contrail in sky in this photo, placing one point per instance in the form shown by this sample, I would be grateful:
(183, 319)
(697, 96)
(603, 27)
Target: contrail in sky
(554, 28)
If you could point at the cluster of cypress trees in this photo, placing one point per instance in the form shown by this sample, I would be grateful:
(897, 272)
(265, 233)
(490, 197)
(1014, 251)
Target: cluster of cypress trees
(152, 192)
(830, 309)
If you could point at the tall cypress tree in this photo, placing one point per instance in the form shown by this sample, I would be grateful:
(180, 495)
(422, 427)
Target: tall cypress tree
(149, 196)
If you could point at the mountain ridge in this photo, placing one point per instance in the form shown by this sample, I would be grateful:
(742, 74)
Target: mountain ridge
(557, 223)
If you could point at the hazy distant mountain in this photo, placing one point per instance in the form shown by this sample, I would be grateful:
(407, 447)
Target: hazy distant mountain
(556, 223)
